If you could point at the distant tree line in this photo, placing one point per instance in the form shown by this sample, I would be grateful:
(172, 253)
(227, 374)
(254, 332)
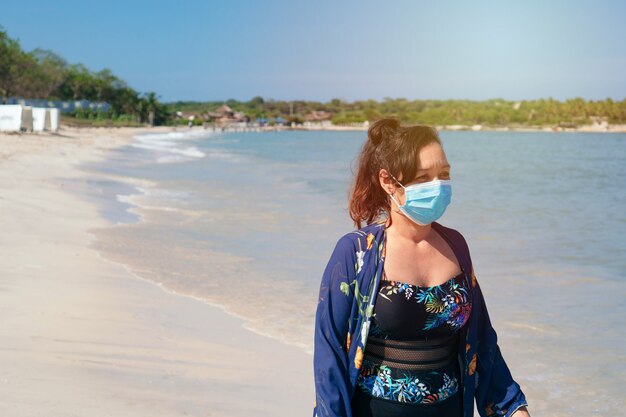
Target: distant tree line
(495, 112)
(43, 74)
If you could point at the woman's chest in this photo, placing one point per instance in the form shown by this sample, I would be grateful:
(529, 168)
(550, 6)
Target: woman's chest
(428, 266)
(409, 312)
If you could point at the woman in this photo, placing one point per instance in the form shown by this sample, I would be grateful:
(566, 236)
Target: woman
(401, 326)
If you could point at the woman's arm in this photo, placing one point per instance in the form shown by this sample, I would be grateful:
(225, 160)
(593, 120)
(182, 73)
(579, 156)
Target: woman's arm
(330, 359)
(497, 393)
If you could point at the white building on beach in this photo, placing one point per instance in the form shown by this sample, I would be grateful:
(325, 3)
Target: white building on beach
(19, 118)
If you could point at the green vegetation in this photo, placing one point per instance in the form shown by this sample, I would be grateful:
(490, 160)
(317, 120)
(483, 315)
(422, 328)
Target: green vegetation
(496, 112)
(42, 74)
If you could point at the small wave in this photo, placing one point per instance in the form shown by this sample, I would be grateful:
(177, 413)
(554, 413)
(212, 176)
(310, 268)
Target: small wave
(221, 154)
(170, 143)
(169, 158)
(159, 199)
(163, 193)
(178, 135)
(170, 147)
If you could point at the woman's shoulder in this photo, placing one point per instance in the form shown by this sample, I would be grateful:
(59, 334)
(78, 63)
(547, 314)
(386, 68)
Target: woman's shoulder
(361, 239)
(458, 240)
(451, 232)
(372, 230)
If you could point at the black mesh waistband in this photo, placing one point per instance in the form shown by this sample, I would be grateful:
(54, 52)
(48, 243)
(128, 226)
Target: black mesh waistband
(412, 354)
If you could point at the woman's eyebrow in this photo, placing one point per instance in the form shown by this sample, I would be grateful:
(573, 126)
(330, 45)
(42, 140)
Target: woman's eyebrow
(426, 169)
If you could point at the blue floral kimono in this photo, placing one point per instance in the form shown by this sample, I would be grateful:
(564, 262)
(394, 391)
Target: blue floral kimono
(347, 296)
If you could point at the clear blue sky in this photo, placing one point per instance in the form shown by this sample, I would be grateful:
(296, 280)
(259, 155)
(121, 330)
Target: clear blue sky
(319, 50)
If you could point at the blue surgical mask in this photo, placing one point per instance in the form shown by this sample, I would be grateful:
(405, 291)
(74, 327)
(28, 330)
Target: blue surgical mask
(425, 202)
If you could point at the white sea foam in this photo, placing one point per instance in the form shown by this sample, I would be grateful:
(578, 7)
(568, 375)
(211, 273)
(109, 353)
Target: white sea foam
(170, 158)
(177, 135)
(171, 148)
(158, 199)
(170, 145)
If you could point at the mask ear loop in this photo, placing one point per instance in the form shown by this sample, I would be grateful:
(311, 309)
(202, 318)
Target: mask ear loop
(396, 180)
(391, 195)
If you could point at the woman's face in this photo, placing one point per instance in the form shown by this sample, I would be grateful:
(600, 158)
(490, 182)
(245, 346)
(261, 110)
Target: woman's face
(433, 166)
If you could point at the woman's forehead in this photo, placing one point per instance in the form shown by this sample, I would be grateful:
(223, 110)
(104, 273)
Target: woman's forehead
(431, 157)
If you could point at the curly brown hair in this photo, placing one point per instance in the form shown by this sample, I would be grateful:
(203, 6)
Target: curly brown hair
(394, 148)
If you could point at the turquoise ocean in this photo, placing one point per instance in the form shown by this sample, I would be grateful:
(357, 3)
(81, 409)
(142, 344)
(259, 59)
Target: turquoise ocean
(247, 221)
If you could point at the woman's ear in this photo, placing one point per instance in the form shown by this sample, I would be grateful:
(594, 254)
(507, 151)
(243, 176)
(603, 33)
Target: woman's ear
(386, 181)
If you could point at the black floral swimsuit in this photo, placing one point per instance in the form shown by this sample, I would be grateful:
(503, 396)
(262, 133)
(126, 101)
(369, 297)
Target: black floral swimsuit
(406, 315)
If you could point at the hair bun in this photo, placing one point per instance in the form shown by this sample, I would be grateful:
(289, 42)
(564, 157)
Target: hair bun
(382, 128)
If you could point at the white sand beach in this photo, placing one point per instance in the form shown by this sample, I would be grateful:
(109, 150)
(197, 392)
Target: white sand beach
(82, 336)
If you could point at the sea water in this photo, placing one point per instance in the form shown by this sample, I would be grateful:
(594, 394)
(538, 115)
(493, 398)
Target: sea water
(248, 220)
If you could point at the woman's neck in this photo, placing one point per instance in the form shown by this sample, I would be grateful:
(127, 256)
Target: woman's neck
(406, 229)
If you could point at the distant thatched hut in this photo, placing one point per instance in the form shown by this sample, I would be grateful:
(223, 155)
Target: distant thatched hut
(318, 118)
(186, 115)
(225, 116)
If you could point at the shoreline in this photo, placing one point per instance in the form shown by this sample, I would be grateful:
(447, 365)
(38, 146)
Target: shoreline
(83, 335)
(74, 131)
